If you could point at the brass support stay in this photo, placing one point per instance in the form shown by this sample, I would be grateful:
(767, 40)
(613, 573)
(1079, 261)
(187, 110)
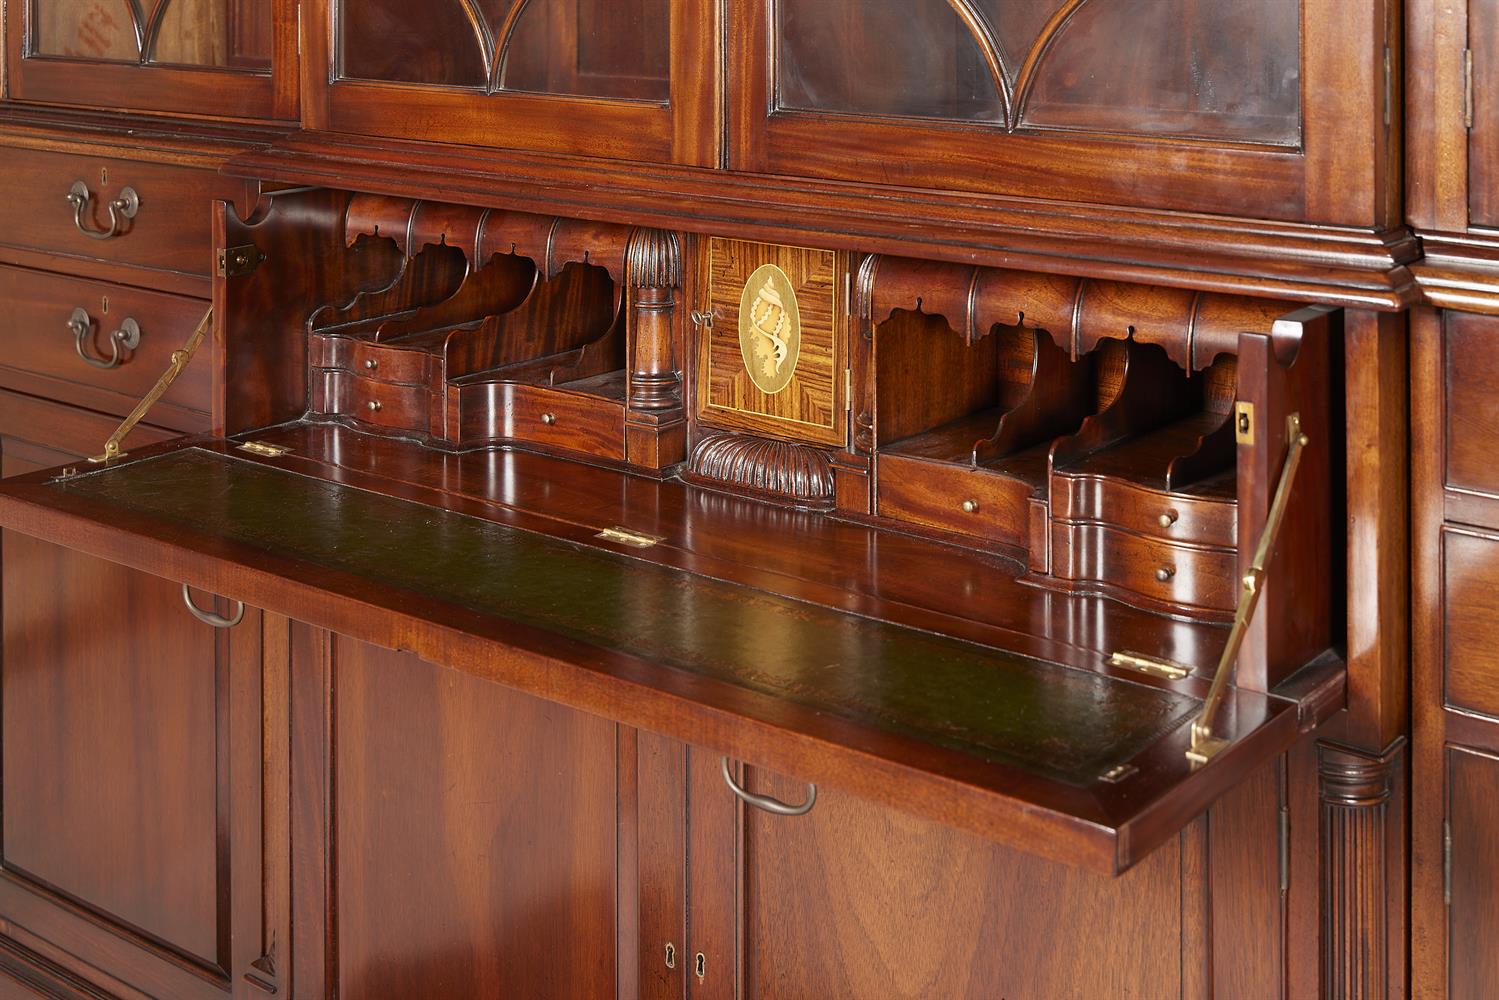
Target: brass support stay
(179, 361)
(1205, 746)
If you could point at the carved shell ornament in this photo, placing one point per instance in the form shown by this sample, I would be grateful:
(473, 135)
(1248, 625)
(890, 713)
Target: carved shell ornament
(770, 329)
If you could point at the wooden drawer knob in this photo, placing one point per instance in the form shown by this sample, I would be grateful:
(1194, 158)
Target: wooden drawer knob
(970, 506)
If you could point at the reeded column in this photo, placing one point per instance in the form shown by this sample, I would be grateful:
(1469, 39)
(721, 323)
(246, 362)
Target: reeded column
(655, 427)
(1363, 880)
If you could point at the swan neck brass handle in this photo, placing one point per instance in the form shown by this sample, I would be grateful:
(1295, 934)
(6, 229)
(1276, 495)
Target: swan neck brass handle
(211, 618)
(123, 206)
(126, 338)
(765, 802)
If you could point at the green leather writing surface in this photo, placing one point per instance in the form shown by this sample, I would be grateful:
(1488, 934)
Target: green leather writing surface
(1056, 722)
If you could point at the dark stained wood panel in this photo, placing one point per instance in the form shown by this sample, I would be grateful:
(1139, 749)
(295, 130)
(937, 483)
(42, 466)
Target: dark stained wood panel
(474, 836)
(1472, 414)
(855, 900)
(1470, 592)
(1483, 136)
(1473, 919)
(110, 744)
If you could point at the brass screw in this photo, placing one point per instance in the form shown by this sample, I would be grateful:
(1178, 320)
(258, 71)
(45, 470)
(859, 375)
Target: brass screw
(970, 506)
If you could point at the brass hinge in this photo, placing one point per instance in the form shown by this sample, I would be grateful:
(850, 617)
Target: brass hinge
(1467, 88)
(634, 539)
(1154, 666)
(1389, 87)
(236, 262)
(264, 450)
(1447, 863)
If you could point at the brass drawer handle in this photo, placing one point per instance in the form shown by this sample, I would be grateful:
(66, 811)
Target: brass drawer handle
(765, 802)
(124, 206)
(128, 336)
(209, 617)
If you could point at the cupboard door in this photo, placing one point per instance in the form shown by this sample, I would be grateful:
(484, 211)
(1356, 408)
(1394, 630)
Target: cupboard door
(1153, 104)
(1473, 908)
(626, 79)
(132, 751)
(219, 57)
(857, 900)
(472, 832)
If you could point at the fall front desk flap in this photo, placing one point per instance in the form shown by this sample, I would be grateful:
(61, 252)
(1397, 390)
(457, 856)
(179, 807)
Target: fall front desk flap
(1011, 736)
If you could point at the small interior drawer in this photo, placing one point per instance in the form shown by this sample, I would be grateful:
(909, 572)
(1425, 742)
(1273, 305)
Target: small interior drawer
(170, 229)
(1177, 576)
(952, 498)
(1470, 610)
(569, 421)
(373, 401)
(1172, 517)
(42, 353)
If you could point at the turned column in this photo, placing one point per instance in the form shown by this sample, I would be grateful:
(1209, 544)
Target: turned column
(655, 432)
(1363, 880)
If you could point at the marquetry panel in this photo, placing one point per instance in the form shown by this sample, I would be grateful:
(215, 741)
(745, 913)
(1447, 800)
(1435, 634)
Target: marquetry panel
(743, 362)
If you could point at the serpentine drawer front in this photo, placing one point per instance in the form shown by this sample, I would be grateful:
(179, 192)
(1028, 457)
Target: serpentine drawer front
(1069, 763)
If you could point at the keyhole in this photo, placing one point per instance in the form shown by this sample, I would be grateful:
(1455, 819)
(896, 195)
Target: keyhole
(105, 305)
(1243, 423)
(103, 176)
(702, 966)
(671, 955)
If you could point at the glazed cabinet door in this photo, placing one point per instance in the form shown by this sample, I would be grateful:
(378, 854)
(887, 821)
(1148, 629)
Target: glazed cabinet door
(625, 79)
(233, 58)
(458, 838)
(139, 760)
(1214, 105)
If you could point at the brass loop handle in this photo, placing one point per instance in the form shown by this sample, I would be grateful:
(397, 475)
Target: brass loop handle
(128, 337)
(121, 207)
(765, 802)
(209, 617)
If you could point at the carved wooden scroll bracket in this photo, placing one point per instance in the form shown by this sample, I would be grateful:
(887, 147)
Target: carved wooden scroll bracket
(481, 233)
(1193, 327)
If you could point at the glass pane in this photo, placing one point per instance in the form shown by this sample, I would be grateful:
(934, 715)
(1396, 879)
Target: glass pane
(86, 29)
(435, 42)
(231, 33)
(588, 48)
(593, 48)
(1218, 69)
(909, 58)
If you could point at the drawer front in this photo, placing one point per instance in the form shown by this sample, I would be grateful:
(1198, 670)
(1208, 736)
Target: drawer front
(1470, 609)
(42, 352)
(170, 229)
(372, 360)
(1167, 516)
(952, 498)
(1472, 418)
(1184, 576)
(566, 421)
(375, 402)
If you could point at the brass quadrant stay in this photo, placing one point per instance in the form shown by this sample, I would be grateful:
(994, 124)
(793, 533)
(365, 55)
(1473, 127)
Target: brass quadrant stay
(1205, 746)
(179, 361)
